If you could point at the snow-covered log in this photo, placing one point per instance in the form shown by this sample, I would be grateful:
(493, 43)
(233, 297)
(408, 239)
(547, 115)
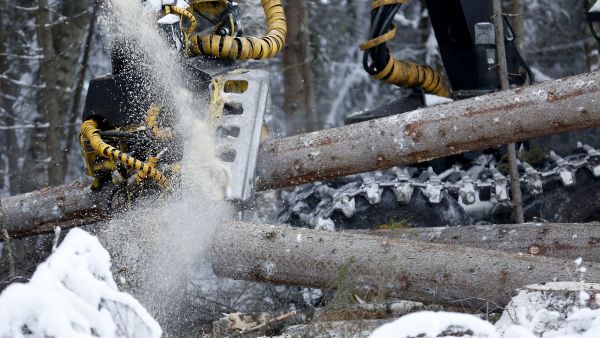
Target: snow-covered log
(482, 122)
(405, 269)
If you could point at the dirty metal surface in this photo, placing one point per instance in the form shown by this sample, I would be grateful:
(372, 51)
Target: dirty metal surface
(425, 134)
(238, 129)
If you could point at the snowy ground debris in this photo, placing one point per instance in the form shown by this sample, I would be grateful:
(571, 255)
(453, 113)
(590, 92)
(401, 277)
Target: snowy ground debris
(436, 324)
(73, 294)
(565, 310)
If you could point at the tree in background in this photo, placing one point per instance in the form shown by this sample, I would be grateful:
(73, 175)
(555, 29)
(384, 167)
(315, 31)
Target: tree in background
(44, 56)
(298, 102)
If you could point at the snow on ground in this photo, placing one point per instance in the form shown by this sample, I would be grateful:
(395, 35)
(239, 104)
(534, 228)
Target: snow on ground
(433, 324)
(529, 315)
(73, 294)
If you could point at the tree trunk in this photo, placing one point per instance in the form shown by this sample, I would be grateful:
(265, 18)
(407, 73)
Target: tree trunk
(511, 151)
(566, 241)
(75, 102)
(482, 122)
(518, 18)
(371, 265)
(74, 205)
(11, 169)
(298, 104)
(515, 115)
(590, 45)
(49, 101)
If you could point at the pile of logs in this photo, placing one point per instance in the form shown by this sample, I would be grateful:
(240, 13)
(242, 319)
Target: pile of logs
(466, 265)
(470, 266)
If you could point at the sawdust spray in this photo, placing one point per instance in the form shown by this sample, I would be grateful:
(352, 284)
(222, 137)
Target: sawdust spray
(158, 248)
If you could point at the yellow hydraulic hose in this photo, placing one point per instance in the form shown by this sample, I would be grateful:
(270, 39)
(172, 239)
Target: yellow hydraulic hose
(152, 124)
(90, 131)
(183, 12)
(403, 73)
(140, 175)
(243, 48)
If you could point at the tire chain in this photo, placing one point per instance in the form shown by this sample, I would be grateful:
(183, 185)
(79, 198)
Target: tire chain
(467, 185)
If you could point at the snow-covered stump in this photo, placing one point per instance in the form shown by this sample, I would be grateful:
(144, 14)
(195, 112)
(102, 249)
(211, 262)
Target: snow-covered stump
(551, 309)
(396, 268)
(73, 295)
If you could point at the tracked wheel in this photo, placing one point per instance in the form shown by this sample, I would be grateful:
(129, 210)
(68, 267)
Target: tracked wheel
(557, 189)
(559, 203)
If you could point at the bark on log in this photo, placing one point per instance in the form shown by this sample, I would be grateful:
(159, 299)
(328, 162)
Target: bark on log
(566, 241)
(478, 123)
(65, 206)
(405, 269)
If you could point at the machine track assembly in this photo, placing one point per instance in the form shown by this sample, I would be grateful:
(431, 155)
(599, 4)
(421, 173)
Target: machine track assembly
(460, 195)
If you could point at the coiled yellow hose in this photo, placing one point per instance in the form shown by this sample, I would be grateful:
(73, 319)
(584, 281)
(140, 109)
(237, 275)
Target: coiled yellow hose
(403, 73)
(90, 131)
(244, 48)
(183, 12)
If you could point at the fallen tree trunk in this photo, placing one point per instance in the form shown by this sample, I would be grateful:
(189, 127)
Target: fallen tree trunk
(65, 206)
(567, 241)
(74, 205)
(404, 269)
(478, 123)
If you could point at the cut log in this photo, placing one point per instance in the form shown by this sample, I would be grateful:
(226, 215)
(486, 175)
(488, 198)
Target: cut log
(75, 205)
(567, 241)
(482, 122)
(398, 268)
(41, 211)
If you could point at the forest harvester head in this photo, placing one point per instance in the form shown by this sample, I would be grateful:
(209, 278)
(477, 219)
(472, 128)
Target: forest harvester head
(127, 137)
